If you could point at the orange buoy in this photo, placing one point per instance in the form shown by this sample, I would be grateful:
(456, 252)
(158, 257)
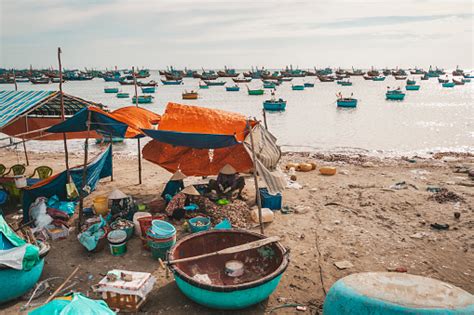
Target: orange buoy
(327, 170)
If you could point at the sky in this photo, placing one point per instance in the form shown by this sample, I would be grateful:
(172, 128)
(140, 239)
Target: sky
(240, 34)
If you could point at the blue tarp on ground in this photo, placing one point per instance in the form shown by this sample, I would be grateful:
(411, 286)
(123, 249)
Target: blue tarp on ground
(100, 122)
(192, 140)
(100, 167)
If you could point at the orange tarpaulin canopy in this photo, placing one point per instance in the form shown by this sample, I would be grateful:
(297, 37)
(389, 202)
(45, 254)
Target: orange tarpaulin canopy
(136, 118)
(194, 120)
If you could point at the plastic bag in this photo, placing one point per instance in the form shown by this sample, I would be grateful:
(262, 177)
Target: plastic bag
(65, 206)
(90, 238)
(71, 191)
(78, 305)
(38, 213)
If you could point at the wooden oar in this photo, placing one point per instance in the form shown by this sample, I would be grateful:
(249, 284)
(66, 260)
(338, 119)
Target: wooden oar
(230, 250)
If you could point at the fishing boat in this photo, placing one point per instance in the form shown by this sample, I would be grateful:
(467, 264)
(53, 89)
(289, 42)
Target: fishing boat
(344, 83)
(425, 77)
(228, 73)
(203, 86)
(148, 89)
(286, 79)
(214, 83)
(173, 77)
(144, 73)
(466, 80)
(274, 105)
(298, 87)
(412, 87)
(108, 140)
(111, 90)
(356, 72)
(468, 76)
(373, 72)
(400, 77)
(242, 80)
(368, 78)
(269, 85)
(276, 82)
(123, 95)
(255, 91)
(40, 80)
(346, 102)
(149, 83)
(396, 94)
(386, 72)
(458, 72)
(417, 71)
(143, 99)
(172, 82)
(236, 280)
(446, 80)
(378, 78)
(448, 84)
(22, 80)
(399, 72)
(57, 80)
(411, 82)
(308, 84)
(325, 78)
(128, 80)
(193, 95)
(234, 88)
(456, 82)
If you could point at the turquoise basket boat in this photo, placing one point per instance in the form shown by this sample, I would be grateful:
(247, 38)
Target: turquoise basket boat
(172, 82)
(308, 85)
(392, 293)
(123, 95)
(297, 87)
(347, 102)
(448, 84)
(344, 83)
(378, 79)
(203, 86)
(395, 95)
(111, 90)
(149, 89)
(19, 281)
(412, 87)
(274, 105)
(269, 85)
(143, 99)
(263, 269)
(234, 88)
(255, 92)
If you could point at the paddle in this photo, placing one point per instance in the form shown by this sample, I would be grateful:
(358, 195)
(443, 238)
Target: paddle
(230, 250)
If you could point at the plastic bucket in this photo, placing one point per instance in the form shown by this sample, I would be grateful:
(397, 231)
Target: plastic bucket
(136, 217)
(101, 205)
(117, 242)
(162, 229)
(20, 181)
(160, 250)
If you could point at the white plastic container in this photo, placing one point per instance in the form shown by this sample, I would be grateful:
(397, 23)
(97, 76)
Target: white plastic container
(20, 181)
(136, 216)
(267, 215)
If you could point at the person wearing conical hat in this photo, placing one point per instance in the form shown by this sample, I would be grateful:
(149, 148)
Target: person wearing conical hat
(228, 182)
(185, 199)
(173, 186)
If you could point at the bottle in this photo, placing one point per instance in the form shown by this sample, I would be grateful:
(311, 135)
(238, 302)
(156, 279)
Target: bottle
(267, 215)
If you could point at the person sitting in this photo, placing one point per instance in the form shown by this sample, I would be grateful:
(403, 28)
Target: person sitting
(183, 201)
(228, 181)
(173, 186)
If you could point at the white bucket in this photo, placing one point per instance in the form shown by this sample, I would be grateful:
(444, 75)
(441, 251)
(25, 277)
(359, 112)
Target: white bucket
(136, 216)
(20, 181)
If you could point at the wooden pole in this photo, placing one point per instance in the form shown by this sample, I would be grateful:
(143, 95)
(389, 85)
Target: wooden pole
(62, 285)
(84, 171)
(112, 155)
(265, 118)
(66, 153)
(257, 190)
(14, 80)
(26, 122)
(138, 139)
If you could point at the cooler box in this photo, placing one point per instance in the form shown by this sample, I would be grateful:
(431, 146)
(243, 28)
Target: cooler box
(269, 201)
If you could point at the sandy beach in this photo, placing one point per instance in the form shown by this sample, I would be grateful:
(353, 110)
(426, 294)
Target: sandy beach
(356, 215)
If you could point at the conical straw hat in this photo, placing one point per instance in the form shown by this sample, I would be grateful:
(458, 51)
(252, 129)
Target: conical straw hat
(178, 175)
(190, 190)
(117, 194)
(228, 170)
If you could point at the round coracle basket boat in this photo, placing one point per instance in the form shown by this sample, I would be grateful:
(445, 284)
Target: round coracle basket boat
(206, 281)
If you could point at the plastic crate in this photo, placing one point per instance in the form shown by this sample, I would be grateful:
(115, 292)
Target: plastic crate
(272, 202)
(56, 233)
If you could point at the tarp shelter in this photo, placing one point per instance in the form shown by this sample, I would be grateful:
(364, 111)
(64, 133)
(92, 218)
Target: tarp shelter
(100, 167)
(200, 141)
(26, 114)
(125, 122)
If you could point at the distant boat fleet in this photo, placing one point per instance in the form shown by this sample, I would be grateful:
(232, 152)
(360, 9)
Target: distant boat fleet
(270, 79)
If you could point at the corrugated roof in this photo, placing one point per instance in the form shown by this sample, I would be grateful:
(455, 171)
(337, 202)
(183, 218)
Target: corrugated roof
(15, 103)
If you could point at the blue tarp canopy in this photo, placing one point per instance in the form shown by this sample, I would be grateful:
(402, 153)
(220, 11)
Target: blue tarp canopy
(16, 103)
(192, 140)
(100, 122)
(100, 167)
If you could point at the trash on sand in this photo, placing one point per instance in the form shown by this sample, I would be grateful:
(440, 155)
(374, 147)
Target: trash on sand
(399, 186)
(301, 308)
(438, 226)
(444, 195)
(344, 264)
(419, 235)
(433, 189)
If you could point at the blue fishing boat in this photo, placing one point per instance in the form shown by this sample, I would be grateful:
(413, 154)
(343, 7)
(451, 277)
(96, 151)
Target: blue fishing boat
(448, 84)
(468, 76)
(411, 82)
(111, 90)
(234, 88)
(425, 77)
(229, 291)
(347, 102)
(297, 87)
(214, 83)
(123, 95)
(172, 82)
(446, 80)
(344, 83)
(396, 95)
(413, 87)
(308, 85)
(274, 105)
(203, 86)
(466, 80)
(269, 85)
(148, 89)
(143, 99)
(378, 78)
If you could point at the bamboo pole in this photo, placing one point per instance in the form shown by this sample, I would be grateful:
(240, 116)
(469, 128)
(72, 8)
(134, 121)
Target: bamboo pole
(112, 156)
(61, 95)
(26, 122)
(265, 118)
(257, 190)
(62, 285)
(84, 171)
(138, 139)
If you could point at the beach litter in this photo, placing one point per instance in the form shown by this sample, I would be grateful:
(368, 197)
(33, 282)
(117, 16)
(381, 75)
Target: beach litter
(439, 226)
(444, 195)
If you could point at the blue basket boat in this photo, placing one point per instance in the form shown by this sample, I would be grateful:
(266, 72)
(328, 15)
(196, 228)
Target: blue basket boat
(214, 83)
(143, 99)
(234, 88)
(274, 105)
(297, 87)
(259, 279)
(111, 90)
(123, 95)
(411, 82)
(344, 83)
(172, 82)
(308, 85)
(148, 89)
(269, 85)
(448, 84)
(347, 102)
(412, 87)
(379, 78)
(395, 95)
(19, 281)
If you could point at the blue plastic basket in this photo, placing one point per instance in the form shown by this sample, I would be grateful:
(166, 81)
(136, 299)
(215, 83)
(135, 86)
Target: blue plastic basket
(162, 229)
(195, 228)
(272, 202)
